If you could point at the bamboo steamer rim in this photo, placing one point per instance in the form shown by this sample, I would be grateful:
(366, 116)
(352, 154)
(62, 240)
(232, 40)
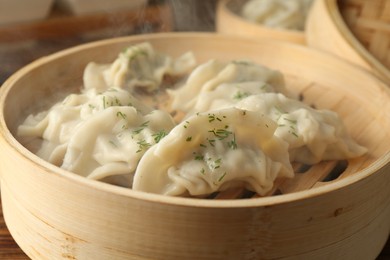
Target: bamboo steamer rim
(333, 10)
(8, 138)
(226, 15)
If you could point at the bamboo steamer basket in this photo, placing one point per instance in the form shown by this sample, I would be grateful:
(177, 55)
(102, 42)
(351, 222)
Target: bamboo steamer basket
(357, 30)
(229, 21)
(54, 214)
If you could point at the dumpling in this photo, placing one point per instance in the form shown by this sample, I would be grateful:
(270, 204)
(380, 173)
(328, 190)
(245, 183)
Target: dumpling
(58, 124)
(284, 14)
(209, 80)
(215, 151)
(97, 135)
(313, 135)
(113, 141)
(228, 94)
(137, 66)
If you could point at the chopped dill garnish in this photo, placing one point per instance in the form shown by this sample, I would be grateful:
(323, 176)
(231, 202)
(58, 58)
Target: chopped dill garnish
(216, 164)
(198, 157)
(221, 134)
(188, 139)
(211, 142)
(142, 145)
(293, 133)
(240, 95)
(141, 127)
(120, 114)
(233, 144)
(138, 53)
(117, 102)
(159, 135)
(213, 117)
(222, 176)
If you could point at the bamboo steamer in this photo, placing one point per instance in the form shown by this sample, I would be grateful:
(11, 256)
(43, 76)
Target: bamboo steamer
(229, 21)
(357, 30)
(54, 214)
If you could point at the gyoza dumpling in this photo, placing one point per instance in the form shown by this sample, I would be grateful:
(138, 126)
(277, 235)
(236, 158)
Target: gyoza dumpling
(58, 124)
(313, 135)
(228, 94)
(97, 135)
(284, 14)
(113, 141)
(206, 78)
(215, 151)
(137, 66)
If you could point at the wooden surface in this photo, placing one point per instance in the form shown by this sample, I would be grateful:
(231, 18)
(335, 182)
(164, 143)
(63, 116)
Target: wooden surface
(328, 30)
(10, 250)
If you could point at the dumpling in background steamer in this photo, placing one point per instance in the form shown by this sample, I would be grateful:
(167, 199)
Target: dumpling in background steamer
(313, 135)
(137, 66)
(215, 151)
(205, 82)
(285, 14)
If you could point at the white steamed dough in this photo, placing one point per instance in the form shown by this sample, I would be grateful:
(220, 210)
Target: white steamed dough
(240, 127)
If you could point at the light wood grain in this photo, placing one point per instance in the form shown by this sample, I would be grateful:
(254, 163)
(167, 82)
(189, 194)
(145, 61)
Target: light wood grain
(331, 29)
(55, 214)
(8, 248)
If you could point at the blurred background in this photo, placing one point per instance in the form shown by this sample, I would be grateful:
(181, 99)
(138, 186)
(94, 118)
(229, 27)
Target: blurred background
(35, 28)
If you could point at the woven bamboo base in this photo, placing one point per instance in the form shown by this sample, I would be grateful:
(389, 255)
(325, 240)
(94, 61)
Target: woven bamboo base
(369, 21)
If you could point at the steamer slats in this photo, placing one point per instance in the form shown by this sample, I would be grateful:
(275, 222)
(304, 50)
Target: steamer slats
(306, 180)
(355, 30)
(369, 21)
